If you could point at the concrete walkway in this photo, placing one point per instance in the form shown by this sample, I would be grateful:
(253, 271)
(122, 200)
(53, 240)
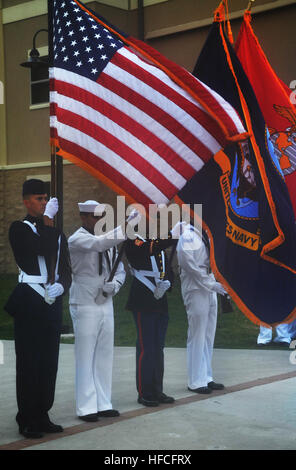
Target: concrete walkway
(257, 409)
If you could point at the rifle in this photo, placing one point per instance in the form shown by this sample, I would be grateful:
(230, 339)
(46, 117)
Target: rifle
(116, 264)
(225, 304)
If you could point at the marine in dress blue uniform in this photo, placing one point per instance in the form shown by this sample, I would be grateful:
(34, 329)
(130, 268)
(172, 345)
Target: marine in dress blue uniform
(41, 253)
(148, 261)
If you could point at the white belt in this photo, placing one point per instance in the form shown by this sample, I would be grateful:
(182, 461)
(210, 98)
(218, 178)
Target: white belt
(34, 281)
(142, 274)
(23, 277)
(39, 289)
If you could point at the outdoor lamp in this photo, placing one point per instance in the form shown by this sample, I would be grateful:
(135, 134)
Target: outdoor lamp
(34, 60)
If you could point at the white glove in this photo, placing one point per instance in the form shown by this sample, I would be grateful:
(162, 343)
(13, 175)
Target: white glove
(51, 207)
(178, 229)
(109, 287)
(134, 216)
(219, 289)
(161, 288)
(55, 290)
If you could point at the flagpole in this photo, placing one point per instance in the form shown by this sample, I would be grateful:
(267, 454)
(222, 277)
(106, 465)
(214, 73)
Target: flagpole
(117, 261)
(250, 4)
(56, 165)
(116, 264)
(52, 171)
(50, 62)
(51, 275)
(141, 20)
(56, 160)
(171, 257)
(59, 190)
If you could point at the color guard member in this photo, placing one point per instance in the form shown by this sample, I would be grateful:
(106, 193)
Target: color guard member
(41, 253)
(91, 308)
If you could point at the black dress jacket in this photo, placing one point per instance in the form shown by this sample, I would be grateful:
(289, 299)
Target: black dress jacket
(27, 246)
(138, 253)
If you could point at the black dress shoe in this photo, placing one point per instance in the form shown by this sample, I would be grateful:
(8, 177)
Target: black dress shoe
(51, 428)
(108, 413)
(163, 398)
(31, 432)
(91, 418)
(203, 390)
(215, 386)
(281, 343)
(145, 402)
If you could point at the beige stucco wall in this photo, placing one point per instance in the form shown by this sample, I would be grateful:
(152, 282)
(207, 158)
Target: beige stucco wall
(27, 130)
(274, 29)
(177, 12)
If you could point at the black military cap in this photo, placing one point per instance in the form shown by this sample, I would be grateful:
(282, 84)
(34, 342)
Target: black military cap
(33, 186)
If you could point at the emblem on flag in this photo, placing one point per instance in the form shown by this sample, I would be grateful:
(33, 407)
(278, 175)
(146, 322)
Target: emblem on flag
(274, 101)
(284, 142)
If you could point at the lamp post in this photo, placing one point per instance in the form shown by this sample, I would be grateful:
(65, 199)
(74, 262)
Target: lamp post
(34, 62)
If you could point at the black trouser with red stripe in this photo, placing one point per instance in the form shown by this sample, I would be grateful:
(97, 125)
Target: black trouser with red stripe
(151, 330)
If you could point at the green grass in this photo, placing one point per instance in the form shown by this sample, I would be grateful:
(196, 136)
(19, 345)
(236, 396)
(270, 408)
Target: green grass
(7, 283)
(234, 330)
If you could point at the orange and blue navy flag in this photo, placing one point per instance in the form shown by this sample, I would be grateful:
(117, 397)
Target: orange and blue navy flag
(247, 211)
(274, 100)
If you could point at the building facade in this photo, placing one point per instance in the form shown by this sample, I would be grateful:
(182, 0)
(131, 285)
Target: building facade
(177, 28)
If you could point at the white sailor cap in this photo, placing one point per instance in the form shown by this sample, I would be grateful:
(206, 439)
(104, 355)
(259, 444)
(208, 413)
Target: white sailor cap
(93, 207)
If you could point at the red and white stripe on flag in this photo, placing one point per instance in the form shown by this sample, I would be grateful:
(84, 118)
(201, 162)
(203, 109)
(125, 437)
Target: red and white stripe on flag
(136, 128)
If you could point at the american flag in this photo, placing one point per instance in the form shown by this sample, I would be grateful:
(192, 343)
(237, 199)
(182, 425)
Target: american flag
(126, 114)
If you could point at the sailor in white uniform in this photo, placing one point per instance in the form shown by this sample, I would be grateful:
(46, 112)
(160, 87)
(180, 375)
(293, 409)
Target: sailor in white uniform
(91, 308)
(199, 291)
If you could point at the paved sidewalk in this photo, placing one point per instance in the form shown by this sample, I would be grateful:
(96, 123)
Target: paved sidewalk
(257, 409)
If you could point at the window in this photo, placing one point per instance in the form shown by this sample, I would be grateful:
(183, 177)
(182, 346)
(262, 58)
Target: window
(39, 83)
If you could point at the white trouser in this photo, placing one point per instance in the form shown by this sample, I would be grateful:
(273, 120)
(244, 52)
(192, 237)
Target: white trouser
(201, 307)
(94, 344)
(283, 334)
(292, 329)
